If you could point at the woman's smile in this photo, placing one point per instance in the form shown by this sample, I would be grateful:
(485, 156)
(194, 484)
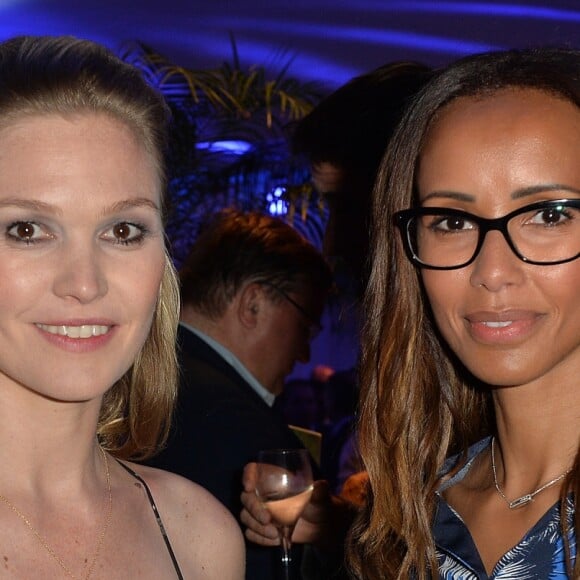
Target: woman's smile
(71, 331)
(502, 328)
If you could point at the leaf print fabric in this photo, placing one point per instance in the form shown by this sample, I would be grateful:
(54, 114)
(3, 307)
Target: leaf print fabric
(538, 556)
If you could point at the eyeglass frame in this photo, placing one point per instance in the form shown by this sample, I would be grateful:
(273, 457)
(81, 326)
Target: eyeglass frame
(314, 328)
(402, 219)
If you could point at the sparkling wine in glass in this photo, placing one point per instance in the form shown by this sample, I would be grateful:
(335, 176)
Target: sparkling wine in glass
(284, 486)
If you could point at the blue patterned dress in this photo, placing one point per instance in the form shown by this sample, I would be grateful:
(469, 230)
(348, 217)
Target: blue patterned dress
(538, 556)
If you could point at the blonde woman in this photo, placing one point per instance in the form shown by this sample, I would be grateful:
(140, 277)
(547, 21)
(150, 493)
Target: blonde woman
(88, 315)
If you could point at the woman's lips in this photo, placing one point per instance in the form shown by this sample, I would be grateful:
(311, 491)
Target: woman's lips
(502, 327)
(77, 336)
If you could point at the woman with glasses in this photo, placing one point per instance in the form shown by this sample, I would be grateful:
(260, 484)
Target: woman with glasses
(470, 409)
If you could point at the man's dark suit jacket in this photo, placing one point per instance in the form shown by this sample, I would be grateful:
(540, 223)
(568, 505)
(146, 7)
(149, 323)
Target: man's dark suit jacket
(220, 424)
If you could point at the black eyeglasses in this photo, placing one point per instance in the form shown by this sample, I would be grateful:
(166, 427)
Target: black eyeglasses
(543, 233)
(314, 327)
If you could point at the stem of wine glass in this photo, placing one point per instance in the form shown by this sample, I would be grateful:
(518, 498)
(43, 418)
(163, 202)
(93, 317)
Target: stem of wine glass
(286, 543)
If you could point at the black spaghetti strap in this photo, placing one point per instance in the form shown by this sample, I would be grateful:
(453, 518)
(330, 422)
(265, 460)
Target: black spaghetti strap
(157, 517)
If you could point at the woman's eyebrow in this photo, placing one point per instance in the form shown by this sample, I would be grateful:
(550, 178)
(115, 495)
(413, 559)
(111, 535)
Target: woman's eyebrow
(517, 194)
(444, 194)
(131, 203)
(37, 205)
(30, 204)
(533, 189)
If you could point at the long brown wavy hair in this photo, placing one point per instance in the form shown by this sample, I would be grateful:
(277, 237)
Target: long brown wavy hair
(42, 75)
(418, 405)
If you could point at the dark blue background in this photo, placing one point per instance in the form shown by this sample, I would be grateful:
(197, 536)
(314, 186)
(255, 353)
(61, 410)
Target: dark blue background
(329, 40)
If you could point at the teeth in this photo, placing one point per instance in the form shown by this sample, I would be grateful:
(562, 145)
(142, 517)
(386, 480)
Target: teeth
(84, 331)
(498, 324)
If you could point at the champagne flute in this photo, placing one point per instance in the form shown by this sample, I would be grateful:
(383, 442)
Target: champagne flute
(284, 486)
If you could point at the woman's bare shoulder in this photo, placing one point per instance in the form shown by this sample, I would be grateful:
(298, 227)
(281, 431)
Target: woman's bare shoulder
(203, 533)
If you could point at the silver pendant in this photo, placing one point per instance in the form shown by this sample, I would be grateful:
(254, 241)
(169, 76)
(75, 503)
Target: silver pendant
(520, 501)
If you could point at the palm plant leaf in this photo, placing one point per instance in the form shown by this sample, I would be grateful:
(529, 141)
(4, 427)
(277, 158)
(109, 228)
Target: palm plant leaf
(229, 102)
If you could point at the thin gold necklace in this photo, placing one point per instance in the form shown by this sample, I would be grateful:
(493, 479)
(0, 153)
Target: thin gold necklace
(40, 538)
(528, 497)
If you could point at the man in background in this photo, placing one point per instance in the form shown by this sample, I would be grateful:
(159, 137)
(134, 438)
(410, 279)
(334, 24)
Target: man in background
(252, 293)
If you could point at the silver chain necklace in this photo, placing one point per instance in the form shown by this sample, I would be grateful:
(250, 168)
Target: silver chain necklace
(528, 497)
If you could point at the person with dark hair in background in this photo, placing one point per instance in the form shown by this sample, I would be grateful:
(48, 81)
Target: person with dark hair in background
(252, 293)
(344, 138)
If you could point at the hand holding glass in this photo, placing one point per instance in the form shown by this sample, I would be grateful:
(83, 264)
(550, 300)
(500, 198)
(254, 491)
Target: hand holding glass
(284, 486)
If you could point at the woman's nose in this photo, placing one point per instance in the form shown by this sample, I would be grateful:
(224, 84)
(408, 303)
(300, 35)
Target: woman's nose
(80, 276)
(496, 265)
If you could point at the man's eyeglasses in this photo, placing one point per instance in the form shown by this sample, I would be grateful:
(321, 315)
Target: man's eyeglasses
(543, 233)
(314, 327)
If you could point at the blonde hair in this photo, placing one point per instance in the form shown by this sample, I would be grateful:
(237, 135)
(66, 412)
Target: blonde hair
(42, 75)
(136, 411)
